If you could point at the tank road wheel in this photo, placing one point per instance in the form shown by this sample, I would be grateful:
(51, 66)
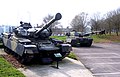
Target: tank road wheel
(89, 44)
(6, 50)
(73, 42)
(23, 59)
(18, 57)
(26, 58)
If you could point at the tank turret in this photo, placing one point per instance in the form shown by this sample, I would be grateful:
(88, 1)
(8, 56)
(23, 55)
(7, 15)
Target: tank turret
(22, 30)
(26, 30)
(28, 43)
(45, 31)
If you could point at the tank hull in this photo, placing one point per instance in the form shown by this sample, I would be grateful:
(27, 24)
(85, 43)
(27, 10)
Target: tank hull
(29, 43)
(79, 41)
(27, 50)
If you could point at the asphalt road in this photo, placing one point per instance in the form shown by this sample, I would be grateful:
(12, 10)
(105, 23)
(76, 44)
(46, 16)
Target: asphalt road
(102, 59)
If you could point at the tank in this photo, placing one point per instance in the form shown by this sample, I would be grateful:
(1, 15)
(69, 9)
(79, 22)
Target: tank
(29, 44)
(78, 39)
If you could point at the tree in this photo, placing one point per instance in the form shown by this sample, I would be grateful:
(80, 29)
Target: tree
(95, 22)
(79, 23)
(116, 20)
(113, 20)
(109, 22)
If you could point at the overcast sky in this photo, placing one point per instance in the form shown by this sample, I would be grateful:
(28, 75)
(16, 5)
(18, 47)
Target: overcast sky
(13, 11)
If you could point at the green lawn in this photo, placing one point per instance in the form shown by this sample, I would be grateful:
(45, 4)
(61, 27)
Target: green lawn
(7, 70)
(63, 38)
(72, 55)
(106, 38)
(99, 39)
(96, 38)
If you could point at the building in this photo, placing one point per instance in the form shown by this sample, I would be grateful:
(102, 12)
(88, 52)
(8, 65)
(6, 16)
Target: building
(6, 28)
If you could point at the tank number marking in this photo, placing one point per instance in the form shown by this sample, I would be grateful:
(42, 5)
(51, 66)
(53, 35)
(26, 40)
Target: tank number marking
(57, 55)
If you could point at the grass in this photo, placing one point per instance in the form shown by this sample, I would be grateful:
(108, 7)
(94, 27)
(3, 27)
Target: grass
(99, 39)
(72, 55)
(113, 38)
(7, 70)
(96, 38)
(63, 38)
(106, 38)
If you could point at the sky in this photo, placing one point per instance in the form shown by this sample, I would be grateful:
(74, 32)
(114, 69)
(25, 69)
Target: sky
(33, 11)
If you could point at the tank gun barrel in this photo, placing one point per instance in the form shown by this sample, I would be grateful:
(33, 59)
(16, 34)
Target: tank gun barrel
(58, 16)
